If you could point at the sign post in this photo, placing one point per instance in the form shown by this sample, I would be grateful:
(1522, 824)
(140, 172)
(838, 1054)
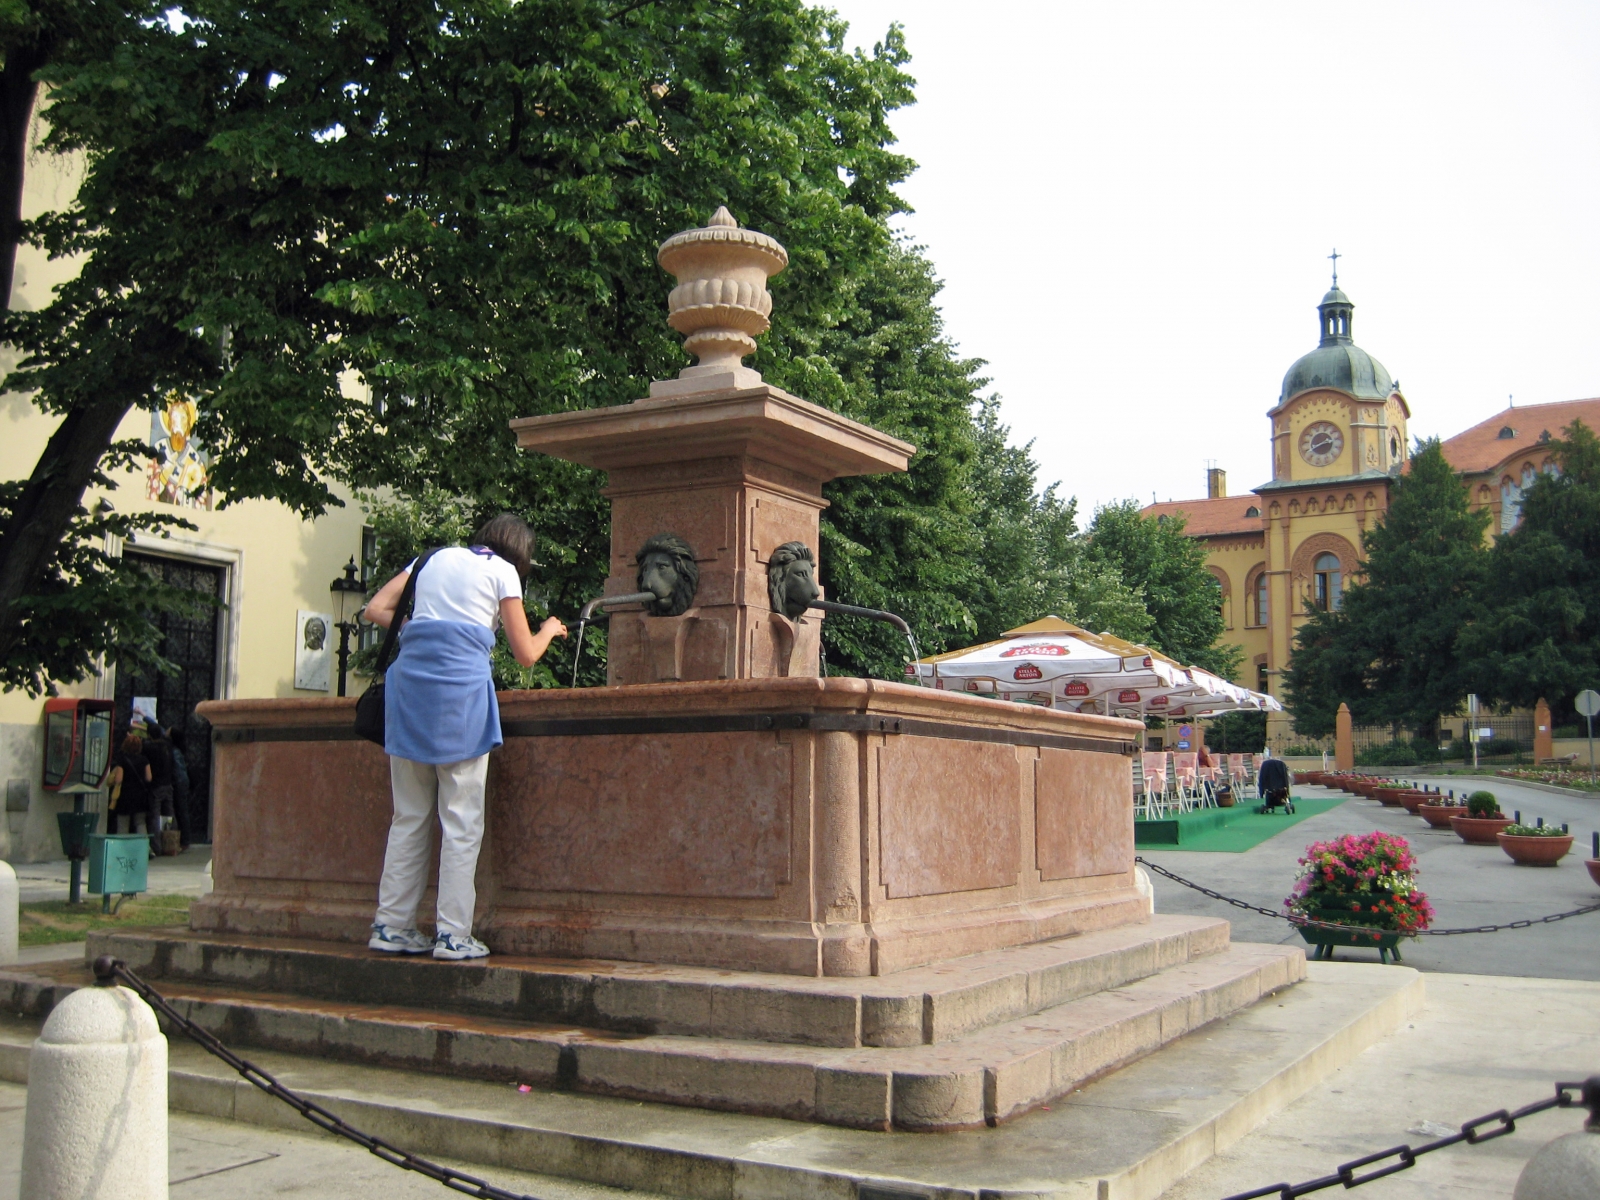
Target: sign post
(1472, 726)
(1588, 703)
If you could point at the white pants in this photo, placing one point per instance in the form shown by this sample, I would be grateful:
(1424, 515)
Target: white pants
(456, 790)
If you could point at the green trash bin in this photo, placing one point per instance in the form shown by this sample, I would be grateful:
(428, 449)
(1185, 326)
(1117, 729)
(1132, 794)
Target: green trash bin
(76, 828)
(119, 863)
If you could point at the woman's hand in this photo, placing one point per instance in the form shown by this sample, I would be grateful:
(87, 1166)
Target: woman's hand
(527, 647)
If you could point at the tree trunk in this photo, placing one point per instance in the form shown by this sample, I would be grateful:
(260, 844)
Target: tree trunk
(44, 510)
(17, 94)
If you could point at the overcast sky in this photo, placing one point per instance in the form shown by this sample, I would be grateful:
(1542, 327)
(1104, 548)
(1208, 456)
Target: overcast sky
(1131, 207)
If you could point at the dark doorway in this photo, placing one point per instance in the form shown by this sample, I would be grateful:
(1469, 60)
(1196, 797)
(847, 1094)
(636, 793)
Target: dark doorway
(189, 641)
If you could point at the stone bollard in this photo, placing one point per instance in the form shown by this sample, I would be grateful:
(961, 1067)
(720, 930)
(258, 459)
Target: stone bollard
(1146, 886)
(96, 1124)
(1569, 1167)
(8, 914)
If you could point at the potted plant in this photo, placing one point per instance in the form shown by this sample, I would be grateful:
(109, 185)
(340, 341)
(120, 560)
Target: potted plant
(1365, 883)
(1412, 799)
(1388, 794)
(1594, 863)
(1535, 845)
(1438, 812)
(1482, 820)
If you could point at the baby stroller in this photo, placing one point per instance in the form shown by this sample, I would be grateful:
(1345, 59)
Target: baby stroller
(1276, 798)
(1273, 786)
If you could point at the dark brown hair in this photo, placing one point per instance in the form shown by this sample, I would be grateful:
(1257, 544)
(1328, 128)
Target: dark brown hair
(508, 536)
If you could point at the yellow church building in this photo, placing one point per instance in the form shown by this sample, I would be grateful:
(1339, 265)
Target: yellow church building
(1339, 440)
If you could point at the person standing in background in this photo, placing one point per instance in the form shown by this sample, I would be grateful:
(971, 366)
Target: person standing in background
(159, 751)
(180, 787)
(135, 798)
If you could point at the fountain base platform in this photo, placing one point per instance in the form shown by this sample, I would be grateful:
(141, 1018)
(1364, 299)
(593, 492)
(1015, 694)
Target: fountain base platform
(958, 1045)
(814, 827)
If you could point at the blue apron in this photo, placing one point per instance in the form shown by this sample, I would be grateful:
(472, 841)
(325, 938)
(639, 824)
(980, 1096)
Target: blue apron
(439, 702)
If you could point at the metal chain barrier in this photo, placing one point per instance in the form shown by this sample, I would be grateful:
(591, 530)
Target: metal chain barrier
(1309, 923)
(108, 970)
(1345, 1175)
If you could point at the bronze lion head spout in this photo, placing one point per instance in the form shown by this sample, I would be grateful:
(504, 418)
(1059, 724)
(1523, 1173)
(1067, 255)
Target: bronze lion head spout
(668, 570)
(792, 579)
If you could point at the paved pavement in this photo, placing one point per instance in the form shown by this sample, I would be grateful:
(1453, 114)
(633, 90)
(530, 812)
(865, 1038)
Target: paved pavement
(180, 874)
(225, 1160)
(1480, 1045)
(1468, 885)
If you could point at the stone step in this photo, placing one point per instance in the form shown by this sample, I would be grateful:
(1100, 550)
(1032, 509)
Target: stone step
(924, 1005)
(983, 1076)
(1128, 1136)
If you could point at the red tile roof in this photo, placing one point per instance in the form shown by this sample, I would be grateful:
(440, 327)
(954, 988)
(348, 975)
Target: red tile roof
(1210, 518)
(1481, 448)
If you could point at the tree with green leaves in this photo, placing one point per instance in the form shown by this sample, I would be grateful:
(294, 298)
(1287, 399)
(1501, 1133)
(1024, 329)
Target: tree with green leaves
(459, 207)
(1166, 570)
(1391, 652)
(1539, 629)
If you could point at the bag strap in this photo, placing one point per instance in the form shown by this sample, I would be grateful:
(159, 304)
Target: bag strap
(402, 610)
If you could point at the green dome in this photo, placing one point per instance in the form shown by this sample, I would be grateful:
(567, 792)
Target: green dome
(1348, 368)
(1337, 362)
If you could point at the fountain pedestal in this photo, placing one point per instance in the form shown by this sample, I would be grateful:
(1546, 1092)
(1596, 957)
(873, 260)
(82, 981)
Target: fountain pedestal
(735, 472)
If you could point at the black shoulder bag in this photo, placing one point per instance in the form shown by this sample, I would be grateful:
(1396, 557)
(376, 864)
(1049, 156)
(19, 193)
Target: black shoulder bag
(370, 705)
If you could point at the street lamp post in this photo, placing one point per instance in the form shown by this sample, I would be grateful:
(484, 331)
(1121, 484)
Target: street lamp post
(343, 588)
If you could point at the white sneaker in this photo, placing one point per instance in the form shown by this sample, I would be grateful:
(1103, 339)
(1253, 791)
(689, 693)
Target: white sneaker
(398, 941)
(458, 945)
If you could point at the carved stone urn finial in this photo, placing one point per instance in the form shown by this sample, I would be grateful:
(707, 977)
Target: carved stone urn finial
(721, 301)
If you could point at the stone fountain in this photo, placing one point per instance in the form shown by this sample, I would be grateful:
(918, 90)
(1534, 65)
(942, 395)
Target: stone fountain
(846, 900)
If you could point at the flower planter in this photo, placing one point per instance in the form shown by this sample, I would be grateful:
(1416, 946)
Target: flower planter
(1479, 831)
(1535, 851)
(1301, 778)
(1389, 797)
(1594, 869)
(1342, 910)
(1412, 801)
(1438, 815)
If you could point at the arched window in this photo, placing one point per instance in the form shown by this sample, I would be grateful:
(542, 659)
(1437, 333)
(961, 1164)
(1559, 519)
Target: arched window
(1330, 589)
(1252, 511)
(1259, 600)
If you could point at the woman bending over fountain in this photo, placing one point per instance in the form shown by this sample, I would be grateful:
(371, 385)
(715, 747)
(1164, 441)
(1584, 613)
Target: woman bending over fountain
(442, 719)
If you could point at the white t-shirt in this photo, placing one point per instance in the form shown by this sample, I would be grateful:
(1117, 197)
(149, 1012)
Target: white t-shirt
(459, 584)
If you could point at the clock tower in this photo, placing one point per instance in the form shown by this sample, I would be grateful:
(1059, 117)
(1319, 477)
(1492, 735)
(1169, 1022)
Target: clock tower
(1338, 438)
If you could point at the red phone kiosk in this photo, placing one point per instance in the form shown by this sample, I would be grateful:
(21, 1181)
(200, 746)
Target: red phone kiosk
(77, 744)
(77, 759)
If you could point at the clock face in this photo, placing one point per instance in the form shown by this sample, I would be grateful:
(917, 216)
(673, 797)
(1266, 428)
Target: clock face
(1321, 443)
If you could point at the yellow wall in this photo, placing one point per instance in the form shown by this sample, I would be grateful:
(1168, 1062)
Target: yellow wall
(274, 564)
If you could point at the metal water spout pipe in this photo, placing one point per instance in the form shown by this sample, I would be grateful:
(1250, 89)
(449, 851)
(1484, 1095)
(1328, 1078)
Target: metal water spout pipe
(875, 614)
(586, 614)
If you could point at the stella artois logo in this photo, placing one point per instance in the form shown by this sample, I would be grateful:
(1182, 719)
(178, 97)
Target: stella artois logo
(1036, 650)
(1077, 688)
(1128, 697)
(1159, 702)
(1027, 671)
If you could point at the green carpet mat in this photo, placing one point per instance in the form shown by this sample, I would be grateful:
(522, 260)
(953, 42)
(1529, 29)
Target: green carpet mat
(1225, 830)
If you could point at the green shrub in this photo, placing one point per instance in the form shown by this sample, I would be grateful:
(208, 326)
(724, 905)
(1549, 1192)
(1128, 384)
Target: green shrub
(1483, 804)
(1567, 731)
(1306, 751)
(1498, 746)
